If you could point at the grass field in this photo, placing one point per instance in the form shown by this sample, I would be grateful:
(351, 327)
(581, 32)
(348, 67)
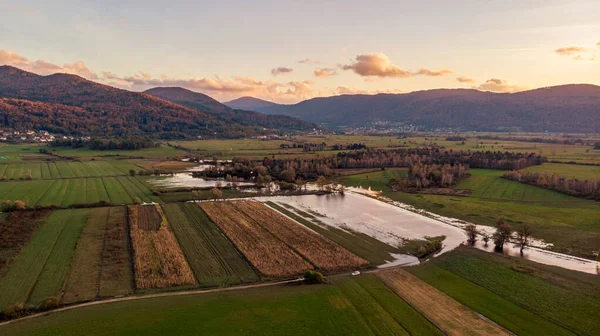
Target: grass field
(211, 256)
(65, 169)
(51, 279)
(269, 255)
(449, 315)
(40, 268)
(65, 192)
(571, 171)
(523, 296)
(571, 224)
(83, 153)
(158, 259)
(368, 248)
(357, 306)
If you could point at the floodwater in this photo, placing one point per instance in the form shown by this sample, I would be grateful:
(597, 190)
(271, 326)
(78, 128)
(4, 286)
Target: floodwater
(187, 180)
(390, 222)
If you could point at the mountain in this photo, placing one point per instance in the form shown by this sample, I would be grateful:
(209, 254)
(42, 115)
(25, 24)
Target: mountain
(250, 104)
(69, 104)
(567, 108)
(205, 103)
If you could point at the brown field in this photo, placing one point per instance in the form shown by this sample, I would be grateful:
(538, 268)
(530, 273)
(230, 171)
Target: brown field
(447, 314)
(115, 274)
(84, 273)
(158, 259)
(148, 218)
(15, 232)
(270, 256)
(321, 252)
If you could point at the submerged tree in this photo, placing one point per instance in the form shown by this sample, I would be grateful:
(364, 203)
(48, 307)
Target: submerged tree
(502, 234)
(523, 235)
(471, 233)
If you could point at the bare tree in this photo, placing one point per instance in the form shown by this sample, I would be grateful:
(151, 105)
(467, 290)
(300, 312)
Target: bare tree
(471, 233)
(523, 235)
(502, 234)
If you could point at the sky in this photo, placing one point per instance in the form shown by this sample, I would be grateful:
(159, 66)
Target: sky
(288, 51)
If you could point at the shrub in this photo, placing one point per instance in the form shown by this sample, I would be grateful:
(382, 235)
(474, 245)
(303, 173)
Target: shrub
(314, 277)
(49, 303)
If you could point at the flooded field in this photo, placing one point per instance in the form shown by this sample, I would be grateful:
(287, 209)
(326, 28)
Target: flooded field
(392, 222)
(181, 180)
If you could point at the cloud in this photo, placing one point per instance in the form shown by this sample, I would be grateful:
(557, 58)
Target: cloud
(308, 61)
(499, 85)
(280, 70)
(567, 51)
(431, 73)
(343, 90)
(45, 68)
(325, 72)
(376, 64)
(464, 79)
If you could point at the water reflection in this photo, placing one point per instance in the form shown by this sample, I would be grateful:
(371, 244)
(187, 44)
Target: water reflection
(389, 223)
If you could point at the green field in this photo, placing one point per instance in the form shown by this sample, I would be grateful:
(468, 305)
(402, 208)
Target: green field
(51, 279)
(83, 153)
(66, 192)
(580, 172)
(54, 243)
(524, 297)
(64, 169)
(362, 306)
(571, 224)
(211, 256)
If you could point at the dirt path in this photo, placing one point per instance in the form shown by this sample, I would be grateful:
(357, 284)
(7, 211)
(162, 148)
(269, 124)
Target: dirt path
(449, 315)
(149, 296)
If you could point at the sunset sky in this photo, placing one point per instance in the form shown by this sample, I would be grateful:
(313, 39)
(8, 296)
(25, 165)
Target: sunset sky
(288, 51)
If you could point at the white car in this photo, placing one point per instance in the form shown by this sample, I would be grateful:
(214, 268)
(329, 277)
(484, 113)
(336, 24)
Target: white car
(356, 273)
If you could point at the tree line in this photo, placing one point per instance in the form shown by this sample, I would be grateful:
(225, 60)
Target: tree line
(291, 169)
(574, 187)
(428, 176)
(106, 144)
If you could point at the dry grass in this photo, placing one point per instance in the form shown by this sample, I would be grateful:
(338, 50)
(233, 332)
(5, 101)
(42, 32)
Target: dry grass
(318, 250)
(158, 259)
(449, 315)
(149, 218)
(115, 274)
(270, 256)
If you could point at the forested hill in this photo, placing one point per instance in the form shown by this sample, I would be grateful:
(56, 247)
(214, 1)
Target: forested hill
(69, 104)
(567, 108)
(205, 103)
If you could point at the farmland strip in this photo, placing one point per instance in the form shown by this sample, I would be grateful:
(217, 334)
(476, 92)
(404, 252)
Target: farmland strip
(268, 254)
(321, 252)
(158, 259)
(116, 277)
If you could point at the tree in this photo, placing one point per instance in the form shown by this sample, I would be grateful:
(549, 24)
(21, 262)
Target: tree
(523, 235)
(131, 172)
(471, 233)
(502, 234)
(216, 193)
(321, 182)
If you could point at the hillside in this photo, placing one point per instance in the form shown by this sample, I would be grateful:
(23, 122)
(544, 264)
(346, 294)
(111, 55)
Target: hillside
(568, 108)
(69, 104)
(250, 103)
(205, 103)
